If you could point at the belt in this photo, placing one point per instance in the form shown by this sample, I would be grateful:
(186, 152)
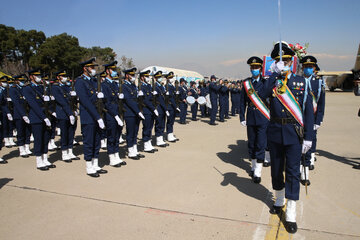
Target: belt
(283, 121)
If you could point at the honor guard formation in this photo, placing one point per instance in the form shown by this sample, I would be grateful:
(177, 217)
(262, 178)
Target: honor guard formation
(281, 113)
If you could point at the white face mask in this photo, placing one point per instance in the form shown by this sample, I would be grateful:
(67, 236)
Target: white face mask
(92, 72)
(64, 79)
(4, 84)
(172, 80)
(147, 80)
(37, 79)
(132, 79)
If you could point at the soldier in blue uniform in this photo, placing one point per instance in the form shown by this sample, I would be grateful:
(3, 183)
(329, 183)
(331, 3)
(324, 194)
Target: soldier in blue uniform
(114, 123)
(133, 115)
(21, 111)
(203, 93)
(171, 107)
(226, 100)
(39, 120)
(161, 109)
(7, 119)
(2, 101)
(316, 88)
(214, 89)
(194, 92)
(183, 105)
(103, 135)
(91, 122)
(235, 98)
(149, 110)
(290, 131)
(65, 115)
(256, 122)
(223, 91)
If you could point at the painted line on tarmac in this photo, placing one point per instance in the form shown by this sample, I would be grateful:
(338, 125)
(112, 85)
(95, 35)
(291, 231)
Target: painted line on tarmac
(163, 210)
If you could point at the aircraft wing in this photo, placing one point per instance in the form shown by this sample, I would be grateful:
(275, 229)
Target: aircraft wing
(333, 73)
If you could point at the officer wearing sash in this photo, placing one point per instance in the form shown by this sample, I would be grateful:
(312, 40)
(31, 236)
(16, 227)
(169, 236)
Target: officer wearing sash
(40, 123)
(149, 111)
(257, 116)
(171, 107)
(114, 124)
(214, 92)
(316, 88)
(183, 105)
(91, 122)
(21, 111)
(133, 115)
(290, 131)
(195, 93)
(7, 107)
(162, 110)
(65, 116)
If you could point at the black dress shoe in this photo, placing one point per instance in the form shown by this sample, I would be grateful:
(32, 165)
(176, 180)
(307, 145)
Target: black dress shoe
(251, 174)
(357, 167)
(172, 141)
(311, 167)
(213, 124)
(276, 209)
(135, 158)
(68, 161)
(43, 168)
(8, 146)
(227, 117)
(291, 227)
(76, 144)
(116, 165)
(162, 145)
(103, 148)
(222, 120)
(102, 171)
(151, 151)
(156, 150)
(75, 158)
(51, 166)
(141, 155)
(303, 182)
(266, 164)
(193, 119)
(93, 174)
(182, 122)
(257, 179)
(24, 156)
(177, 140)
(123, 163)
(4, 162)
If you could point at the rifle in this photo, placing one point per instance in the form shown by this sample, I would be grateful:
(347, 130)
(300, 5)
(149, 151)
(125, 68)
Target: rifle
(140, 98)
(155, 100)
(100, 102)
(9, 103)
(73, 99)
(46, 103)
(167, 94)
(177, 96)
(121, 103)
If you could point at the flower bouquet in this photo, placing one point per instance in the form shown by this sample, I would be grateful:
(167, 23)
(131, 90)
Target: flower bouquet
(299, 50)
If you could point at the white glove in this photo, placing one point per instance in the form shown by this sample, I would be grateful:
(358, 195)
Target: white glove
(156, 112)
(100, 95)
(167, 113)
(47, 122)
(120, 123)
(167, 93)
(154, 92)
(9, 116)
(101, 123)
(140, 93)
(46, 98)
(54, 114)
(243, 123)
(178, 109)
(306, 146)
(316, 127)
(279, 66)
(121, 96)
(72, 93)
(52, 98)
(72, 119)
(8, 99)
(141, 115)
(76, 113)
(26, 119)
(177, 92)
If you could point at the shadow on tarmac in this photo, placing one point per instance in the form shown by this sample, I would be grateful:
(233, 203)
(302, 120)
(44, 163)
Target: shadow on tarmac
(238, 155)
(4, 181)
(341, 159)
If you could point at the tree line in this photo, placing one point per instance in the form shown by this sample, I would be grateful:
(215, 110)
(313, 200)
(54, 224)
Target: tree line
(21, 50)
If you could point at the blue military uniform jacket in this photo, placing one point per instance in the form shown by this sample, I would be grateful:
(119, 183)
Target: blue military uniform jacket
(85, 88)
(33, 94)
(204, 91)
(223, 93)
(130, 99)
(317, 86)
(183, 92)
(172, 102)
(286, 134)
(161, 98)
(253, 116)
(110, 89)
(148, 98)
(214, 90)
(19, 102)
(194, 93)
(61, 93)
(235, 95)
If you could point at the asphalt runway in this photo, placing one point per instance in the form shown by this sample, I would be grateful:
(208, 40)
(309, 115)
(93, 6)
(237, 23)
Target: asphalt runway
(197, 188)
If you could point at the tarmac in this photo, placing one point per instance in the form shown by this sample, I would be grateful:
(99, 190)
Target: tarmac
(197, 188)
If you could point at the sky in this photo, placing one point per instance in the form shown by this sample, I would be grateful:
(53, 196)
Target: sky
(210, 37)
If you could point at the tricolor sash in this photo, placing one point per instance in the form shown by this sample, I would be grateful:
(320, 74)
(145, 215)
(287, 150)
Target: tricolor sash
(314, 101)
(288, 100)
(255, 99)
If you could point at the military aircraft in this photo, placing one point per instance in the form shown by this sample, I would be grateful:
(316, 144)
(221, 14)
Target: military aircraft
(343, 79)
